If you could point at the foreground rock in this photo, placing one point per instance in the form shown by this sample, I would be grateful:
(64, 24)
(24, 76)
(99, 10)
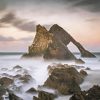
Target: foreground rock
(2, 92)
(52, 44)
(44, 96)
(91, 94)
(65, 79)
(12, 96)
(5, 81)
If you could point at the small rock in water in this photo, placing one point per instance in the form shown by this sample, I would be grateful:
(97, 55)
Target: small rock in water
(88, 68)
(79, 61)
(31, 90)
(17, 67)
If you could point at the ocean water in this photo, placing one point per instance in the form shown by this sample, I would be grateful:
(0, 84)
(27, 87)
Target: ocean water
(37, 68)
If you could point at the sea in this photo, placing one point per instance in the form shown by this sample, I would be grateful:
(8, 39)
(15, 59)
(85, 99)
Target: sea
(37, 68)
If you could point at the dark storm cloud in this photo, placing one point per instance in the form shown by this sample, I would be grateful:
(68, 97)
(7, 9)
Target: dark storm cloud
(8, 18)
(26, 26)
(2, 38)
(90, 5)
(21, 24)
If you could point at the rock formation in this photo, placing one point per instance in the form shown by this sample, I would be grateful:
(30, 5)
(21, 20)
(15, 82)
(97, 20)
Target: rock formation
(66, 38)
(52, 44)
(64, 78)
(42, 95)
(92, 94)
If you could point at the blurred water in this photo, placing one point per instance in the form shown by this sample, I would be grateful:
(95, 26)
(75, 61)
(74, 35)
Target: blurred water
(37, 67)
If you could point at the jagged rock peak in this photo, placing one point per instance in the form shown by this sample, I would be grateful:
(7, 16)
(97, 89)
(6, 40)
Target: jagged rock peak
(40, 29)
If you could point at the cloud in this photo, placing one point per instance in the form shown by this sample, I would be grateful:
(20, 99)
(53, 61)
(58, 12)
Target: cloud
(26, 26)
(26, 39)
(9, 39)
(22, 24)
(89, 5)
(8, 18)
(2, 38)
(93, 19)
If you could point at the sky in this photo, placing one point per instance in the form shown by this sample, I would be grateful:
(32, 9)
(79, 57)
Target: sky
(18, 20)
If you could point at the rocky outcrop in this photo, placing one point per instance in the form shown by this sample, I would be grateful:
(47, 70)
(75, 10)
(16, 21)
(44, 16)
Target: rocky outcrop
(52, 44)
(91, 94)
(44, 96)
(65, 79)
(66, 38)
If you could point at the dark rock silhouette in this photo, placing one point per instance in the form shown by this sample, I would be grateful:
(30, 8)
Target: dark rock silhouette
(92, 94)
(52, 44)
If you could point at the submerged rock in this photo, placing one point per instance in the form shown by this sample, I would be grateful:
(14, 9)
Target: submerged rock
(26, 78)
(44, 96)
(65, 79)
(92, 94)
(31, 90)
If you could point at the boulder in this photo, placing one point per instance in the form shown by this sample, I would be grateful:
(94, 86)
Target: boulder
(66, 80)
(45, 96)
(5, 81)
(92, 94)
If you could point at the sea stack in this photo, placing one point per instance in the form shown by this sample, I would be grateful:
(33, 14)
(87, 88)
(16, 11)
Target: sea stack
(52, 44)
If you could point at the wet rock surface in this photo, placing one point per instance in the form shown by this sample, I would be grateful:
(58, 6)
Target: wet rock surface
(83, 73)
(12, 96)
(65, 79)
(5, 81)
(44, 96)
(92, 94)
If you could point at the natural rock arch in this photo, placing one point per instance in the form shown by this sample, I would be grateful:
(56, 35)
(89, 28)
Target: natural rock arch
(52, 44)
